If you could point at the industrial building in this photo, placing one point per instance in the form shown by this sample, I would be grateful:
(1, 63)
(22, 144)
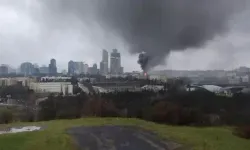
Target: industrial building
(52, 87)
(24, 81)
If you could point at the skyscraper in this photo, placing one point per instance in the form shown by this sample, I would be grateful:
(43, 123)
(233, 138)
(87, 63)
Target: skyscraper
(115, 62)
(44, 70)
(27, 68)
(86, 69)
(71, 68)
(79, 67)
(4, 70)
(52, 67)
(95, 69)
(104, 63)
(76, 68)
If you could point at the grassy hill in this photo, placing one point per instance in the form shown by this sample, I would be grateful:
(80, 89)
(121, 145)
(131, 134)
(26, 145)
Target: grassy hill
(55, 136)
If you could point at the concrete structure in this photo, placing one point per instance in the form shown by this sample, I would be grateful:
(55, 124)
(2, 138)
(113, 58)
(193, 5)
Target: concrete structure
(27, 68)
(118, 86)
(71, 68)
(52, 67)
(93, 70)
(43, 79)
(77, 68)
(52, 87)
(230, 91)
(154, 88)
(245, 79)
(104, 69)
(234, 80)
(86, 69)
(44, 70)
(4, 70)
(115, 62)
(163, 78)
(24, 81)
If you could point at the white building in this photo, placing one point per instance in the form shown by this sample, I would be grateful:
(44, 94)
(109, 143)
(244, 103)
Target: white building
(234, 80)
(158, 77)
(54, 78)
(245, 79)
(52, 87)
(25, 81)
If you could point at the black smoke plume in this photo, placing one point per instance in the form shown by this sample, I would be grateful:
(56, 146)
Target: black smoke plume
(143, 60)
(156, 26)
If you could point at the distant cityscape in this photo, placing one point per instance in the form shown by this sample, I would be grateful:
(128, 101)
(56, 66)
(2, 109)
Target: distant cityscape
(110, 66)
(74, 67)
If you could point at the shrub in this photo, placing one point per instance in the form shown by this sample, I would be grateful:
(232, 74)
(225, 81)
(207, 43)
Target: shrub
(166, 112)
(6, 116)
(243, 132)
(101, 108)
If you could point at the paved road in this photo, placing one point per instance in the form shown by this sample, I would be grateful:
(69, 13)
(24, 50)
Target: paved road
(118, 138)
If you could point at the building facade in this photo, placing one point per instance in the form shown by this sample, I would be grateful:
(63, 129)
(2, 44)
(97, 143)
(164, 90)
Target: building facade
(77, 68)
(4, 70)
(52, 87)
(52, 67)
(71, 68)
(104, 64)
(24, 81)
(44, 70)
(115, 62)
(27, 68)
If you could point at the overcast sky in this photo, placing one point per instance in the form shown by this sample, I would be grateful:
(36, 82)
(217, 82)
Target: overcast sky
(29, 32)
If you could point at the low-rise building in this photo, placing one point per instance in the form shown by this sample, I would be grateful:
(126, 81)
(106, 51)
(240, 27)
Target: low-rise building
(24, 81)
(52, 87)
(245, 79)
(234, 80)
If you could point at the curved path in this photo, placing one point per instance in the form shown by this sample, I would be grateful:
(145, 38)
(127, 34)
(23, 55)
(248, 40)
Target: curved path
(118, 138)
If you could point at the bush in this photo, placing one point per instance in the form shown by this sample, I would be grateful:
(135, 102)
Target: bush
(166, 112)
(243, 132)
(100, 108)
(6, 116)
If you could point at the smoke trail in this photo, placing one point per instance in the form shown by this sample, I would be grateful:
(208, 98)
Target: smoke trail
(157, 26)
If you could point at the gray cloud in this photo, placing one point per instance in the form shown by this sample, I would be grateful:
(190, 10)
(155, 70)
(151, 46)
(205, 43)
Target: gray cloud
(79, 29)
(156, 27)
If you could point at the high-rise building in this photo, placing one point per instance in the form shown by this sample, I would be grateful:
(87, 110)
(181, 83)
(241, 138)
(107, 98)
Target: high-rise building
(71, 68)
(4, 70)
(52, 67)
(76, 68)
(104, 64)
(105, 56)
(93, 70)
(115, 62)
(79, 67)
(27, 68)
(36, 69)
(86, 69)
(44, 70)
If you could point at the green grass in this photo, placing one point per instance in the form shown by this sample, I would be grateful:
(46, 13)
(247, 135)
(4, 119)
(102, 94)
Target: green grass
(55, 137)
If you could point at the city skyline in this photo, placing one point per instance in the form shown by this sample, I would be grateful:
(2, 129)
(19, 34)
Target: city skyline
(73, 67)
(105, 57)
(39, 34)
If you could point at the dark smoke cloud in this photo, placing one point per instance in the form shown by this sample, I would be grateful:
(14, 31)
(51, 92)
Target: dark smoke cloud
(156, 27)
(143, 60)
